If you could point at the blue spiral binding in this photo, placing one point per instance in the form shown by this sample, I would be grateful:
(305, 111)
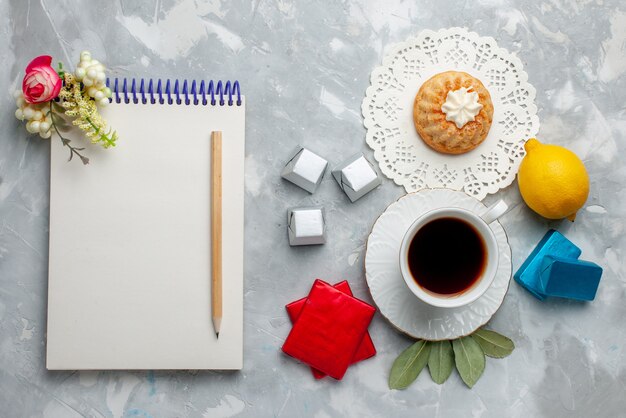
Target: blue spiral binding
(217, 94)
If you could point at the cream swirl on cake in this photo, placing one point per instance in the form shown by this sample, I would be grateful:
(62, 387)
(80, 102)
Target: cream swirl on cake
(461, 106)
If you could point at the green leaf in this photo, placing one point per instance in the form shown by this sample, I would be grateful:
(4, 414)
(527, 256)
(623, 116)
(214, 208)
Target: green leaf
(440, 361)
(493, 344)
(62, 125)
(469, 359)
(408, 365)
(58, 108)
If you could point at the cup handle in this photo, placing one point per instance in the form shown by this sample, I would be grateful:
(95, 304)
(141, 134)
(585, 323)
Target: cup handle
(494, 211)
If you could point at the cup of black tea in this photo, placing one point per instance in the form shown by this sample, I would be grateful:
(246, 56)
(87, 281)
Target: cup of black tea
(449, 256)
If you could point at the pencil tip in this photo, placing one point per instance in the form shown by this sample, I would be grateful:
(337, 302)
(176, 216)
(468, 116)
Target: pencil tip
(217, 335)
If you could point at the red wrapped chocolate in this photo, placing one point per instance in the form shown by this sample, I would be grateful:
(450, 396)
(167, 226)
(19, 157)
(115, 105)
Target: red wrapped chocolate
(366, 348)
(329, 330)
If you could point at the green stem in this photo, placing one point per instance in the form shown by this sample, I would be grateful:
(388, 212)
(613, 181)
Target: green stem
(60, 71)
(65, 141)
(103, 137)
(94, 127)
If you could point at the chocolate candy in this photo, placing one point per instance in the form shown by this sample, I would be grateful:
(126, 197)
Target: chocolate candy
(356, 177)
(568, 278)
(552, 244)
(305, 169)
(306, 226)
(366, 348)
(329, 330)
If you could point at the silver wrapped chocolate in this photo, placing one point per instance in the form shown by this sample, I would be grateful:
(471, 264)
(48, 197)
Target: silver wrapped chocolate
(357, 177)
(305, 169)
(306, 226)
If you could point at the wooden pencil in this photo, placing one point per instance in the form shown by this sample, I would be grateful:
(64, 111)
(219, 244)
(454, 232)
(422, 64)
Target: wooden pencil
(216, 231)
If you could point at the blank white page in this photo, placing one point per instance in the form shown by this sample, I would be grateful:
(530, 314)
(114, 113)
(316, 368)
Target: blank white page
(130, 251)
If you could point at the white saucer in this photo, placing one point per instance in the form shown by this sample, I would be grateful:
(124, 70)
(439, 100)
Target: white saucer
(391, 294)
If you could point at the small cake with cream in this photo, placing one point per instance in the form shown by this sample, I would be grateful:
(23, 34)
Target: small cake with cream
(453, 112)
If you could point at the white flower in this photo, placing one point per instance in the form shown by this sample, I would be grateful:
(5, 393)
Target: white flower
(36, 115)
(92, 74)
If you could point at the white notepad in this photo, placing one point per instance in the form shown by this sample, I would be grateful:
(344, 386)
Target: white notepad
(129, 257)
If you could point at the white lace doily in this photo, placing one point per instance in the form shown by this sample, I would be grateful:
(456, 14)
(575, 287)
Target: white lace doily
(388, 113)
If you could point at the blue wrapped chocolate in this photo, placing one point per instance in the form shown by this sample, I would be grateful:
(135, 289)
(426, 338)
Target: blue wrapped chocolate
(569, 278)
(552, 244)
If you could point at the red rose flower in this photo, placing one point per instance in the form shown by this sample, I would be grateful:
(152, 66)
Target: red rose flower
(41, 83)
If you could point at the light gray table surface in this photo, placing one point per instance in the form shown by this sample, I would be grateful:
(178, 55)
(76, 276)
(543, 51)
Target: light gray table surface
(304, 67)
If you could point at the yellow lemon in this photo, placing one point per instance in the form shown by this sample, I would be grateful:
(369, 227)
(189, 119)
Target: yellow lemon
(552, 180)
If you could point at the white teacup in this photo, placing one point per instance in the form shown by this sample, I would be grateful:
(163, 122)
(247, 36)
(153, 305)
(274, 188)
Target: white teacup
(480, 222)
